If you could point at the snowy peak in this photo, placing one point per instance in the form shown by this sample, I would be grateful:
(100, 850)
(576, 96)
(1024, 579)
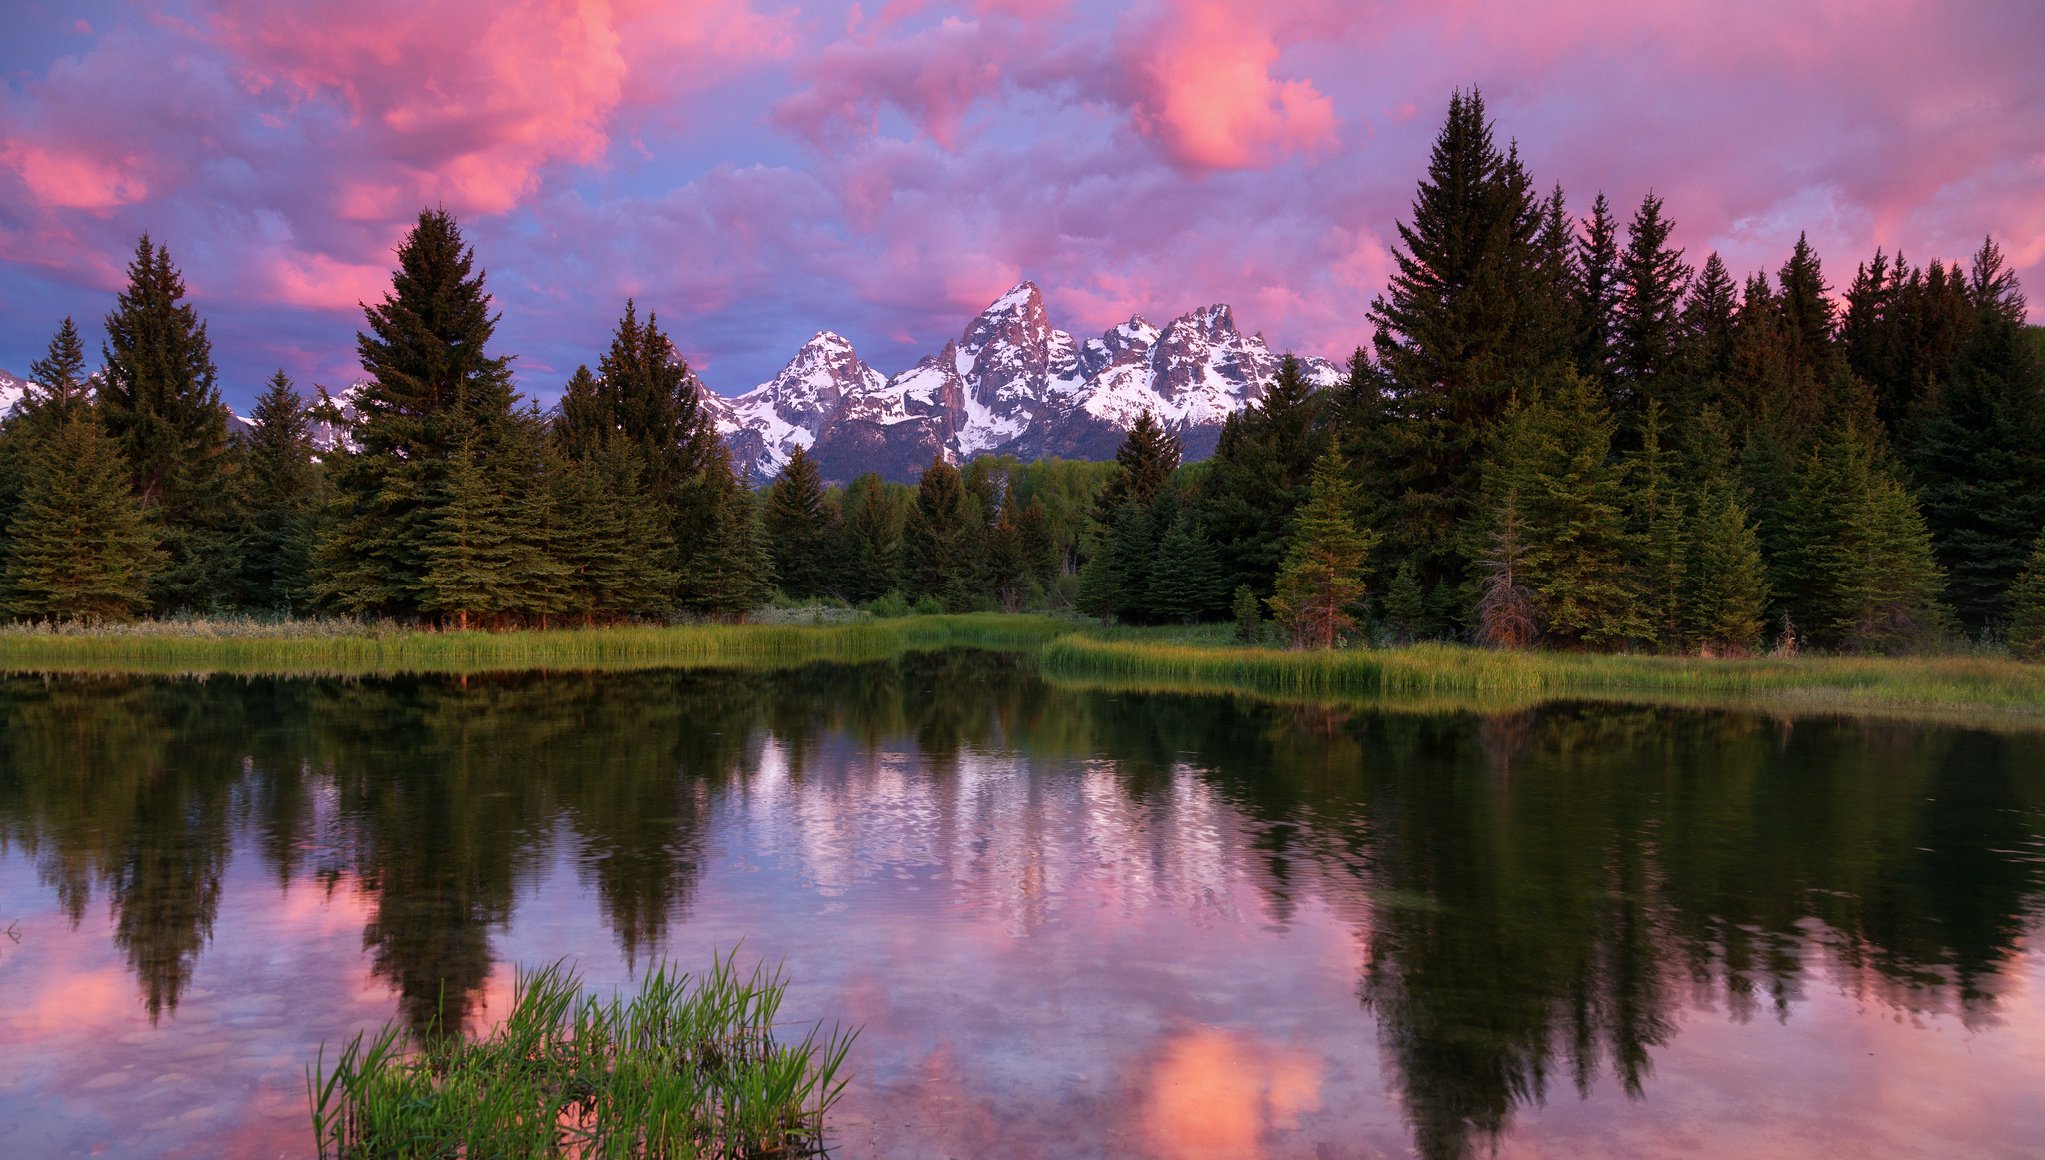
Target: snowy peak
(12, 388)
(1010, 384)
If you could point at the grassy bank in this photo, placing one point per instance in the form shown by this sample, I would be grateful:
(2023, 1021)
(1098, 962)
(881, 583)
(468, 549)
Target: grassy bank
(686, 1067)
(341, 648)
(1970, 689)
(1449, 676)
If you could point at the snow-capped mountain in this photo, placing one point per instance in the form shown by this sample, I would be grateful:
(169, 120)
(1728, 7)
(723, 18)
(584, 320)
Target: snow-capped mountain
(1010, 384)
(12, 387)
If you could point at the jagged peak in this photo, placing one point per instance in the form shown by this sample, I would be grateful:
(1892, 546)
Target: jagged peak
(1023, 296)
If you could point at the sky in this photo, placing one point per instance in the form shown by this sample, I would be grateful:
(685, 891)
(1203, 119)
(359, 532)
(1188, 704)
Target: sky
(754, 170)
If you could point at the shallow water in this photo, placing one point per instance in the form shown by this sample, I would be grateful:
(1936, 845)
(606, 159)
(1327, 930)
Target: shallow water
(1069, 924)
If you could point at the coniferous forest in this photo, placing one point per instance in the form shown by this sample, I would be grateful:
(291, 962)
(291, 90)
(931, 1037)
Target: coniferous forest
(1564, 432)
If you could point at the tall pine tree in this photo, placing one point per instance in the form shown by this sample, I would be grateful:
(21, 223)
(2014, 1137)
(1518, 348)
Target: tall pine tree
(798, 527)
(280, 502)
(80, 546)
(1320, 584)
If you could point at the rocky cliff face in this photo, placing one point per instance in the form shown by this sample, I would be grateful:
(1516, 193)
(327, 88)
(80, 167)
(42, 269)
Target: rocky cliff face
(1010, 384)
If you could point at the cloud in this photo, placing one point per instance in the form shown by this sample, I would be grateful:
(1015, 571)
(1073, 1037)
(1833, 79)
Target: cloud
(1203, 71)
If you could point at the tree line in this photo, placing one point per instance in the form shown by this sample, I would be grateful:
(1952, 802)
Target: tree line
(1562, 432)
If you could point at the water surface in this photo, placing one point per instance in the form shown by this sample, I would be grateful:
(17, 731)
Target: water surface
(1070, 923)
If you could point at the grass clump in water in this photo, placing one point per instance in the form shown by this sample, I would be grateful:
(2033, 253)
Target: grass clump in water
(685, 1068)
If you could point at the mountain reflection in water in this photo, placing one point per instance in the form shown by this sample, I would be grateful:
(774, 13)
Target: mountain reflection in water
(1072, 923)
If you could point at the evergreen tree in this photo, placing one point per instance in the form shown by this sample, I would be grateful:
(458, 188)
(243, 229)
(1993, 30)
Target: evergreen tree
(1647, 316)
(1144, 464)
(1115, 581)
(614, 556)
(1405, 607)
(798, 527)
(526, 477)
(160, 402)
(1248, 616)
(80, 546)
(1856, 569)
(2027, 608)
(1655, 511)
(1033, 541)
(1726, 593)
(731, 573)
(57, 392)
(434, 386)
(471, 556)
(1321, 582)
(874, 558)
(1003, 570)
(1506, 617)
(1577, 559)
(1979, 455)
(1708, 329)
(280, 501)
(1185, 578)
(940, 552)
(1259, 475)
(1465, 325)
(1598, 289)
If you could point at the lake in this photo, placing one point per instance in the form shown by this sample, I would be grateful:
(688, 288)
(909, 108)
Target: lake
(1069, 923)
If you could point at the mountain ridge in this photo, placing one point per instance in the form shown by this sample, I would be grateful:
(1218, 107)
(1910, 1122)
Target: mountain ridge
(1009, 384)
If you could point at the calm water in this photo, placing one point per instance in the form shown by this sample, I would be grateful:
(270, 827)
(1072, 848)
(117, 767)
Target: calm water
(1071, 924)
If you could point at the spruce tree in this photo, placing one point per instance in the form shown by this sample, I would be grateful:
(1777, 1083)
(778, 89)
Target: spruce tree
(280, 501)
(874, 531)
(471, 556)
(940, 544)
(1002, 568)
(1708, 328)
(1726, 593)
(1115, 580)
(798, 527)
(731, 573)
(1321, 581)
(80, 544)
(613, 555)
(526, 473)
(57, 392)
(1405, 606)
(1647, 318)
(434, 386)
(1656, 522)
(1249, 617)
(1505, 614)
(1979, 453)
(1033, 538)
(160, 401)
(1144, 463)
(2027, 608)
(1260, 473)
(1464, 326)
(1855, 570)
(1185, 578)
(1597, 263)
(1578, 556)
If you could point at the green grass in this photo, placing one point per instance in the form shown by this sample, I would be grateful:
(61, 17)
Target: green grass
(1197, 659)
(348, 648)
(685, 1068)
(1438, 676)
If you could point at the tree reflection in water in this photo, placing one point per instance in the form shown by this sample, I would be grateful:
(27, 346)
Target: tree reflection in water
(1536, 896)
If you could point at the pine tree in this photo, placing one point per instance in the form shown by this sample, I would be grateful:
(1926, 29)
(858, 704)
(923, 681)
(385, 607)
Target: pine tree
(1465, 324)
(1708, 328)
(1115, 580)
(1249, 618)
(1979, 453)
(874, 558)
(280, 501)
(57, 393)
(798, 527)
(1726, 594)
(940, 547)
(1578, 555)
(1506, 617)
(1259, 475)
(1405, 606)
(1321, 581)
(1647, 316)
(1185, 578)
(1856, 569)
(526, 477)
(732, 573)
(1003, 570)
(1033, 535)
(433, 385)
(1144, 464)
(1656, 522)
(1597, 263)
(471, 556)
(2027, 608)
(160, 402)
(80, 545)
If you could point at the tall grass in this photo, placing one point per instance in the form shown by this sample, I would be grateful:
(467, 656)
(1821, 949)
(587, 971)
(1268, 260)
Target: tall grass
(684, 1068)
(1441, 675)
(348, 648)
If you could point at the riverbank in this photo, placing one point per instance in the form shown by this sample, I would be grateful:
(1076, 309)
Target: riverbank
(1072, 652)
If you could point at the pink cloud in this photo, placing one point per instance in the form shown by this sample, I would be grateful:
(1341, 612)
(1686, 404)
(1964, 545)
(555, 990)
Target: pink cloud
(933, 76)
(1203, 68)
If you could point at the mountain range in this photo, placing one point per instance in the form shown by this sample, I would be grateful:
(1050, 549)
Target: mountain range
(1009, 385)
